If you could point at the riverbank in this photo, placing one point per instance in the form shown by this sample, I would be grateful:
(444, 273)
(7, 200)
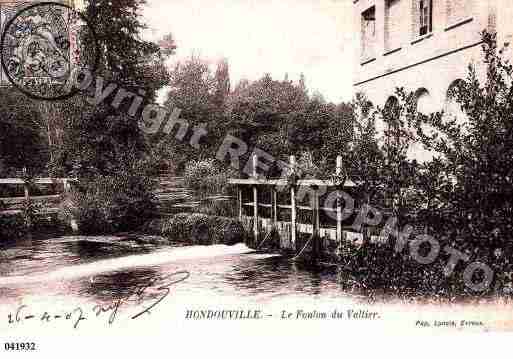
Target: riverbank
(198, 228)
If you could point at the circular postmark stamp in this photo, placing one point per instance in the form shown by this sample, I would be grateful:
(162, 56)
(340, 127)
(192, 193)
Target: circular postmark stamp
(42, 45)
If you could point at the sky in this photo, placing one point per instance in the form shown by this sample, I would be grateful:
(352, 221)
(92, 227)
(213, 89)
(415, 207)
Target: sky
(313, 37)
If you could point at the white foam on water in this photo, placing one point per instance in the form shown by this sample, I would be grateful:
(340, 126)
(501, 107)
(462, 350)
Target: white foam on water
(163, 256)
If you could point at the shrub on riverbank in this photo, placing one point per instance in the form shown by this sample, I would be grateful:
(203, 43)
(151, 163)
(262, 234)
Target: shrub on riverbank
(12, 227)
(29, 220)
(219, 208)
(111, 203)
(379, 268)
(200, 229)
(206, 177)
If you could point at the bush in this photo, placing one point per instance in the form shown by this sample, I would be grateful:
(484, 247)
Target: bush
(111, 203)
(203, 229)
(379, 268)
(12, 227)
(221, 208)
(206, 177)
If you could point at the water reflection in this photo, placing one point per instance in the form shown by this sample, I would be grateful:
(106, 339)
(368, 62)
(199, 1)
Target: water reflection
(117, 285)
(281, 276)
(105, 269)
(42, 255)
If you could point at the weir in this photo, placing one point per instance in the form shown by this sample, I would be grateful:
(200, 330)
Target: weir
(291, 231)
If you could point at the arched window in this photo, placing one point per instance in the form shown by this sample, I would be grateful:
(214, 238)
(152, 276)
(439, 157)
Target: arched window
(425, 106)
(391, 119)
(425, 103)
(392, 108)
(452, 108)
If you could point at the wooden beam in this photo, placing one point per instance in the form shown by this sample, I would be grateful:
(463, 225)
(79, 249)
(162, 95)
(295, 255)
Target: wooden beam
(265, 205)
(255, 199)
(293, 208)
(315, 213)
(26, 191)
(274, 202)
(316, 224)
(339, 202)
(37, 181)
(239, 201)
(283, 182)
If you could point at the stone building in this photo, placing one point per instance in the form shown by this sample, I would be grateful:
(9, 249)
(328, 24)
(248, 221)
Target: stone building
(424, 46)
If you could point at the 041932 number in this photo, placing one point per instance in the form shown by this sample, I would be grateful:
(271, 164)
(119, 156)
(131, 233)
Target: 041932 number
(17, 347)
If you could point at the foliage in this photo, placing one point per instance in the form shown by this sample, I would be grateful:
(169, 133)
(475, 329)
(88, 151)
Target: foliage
(260, 107)
(112, 203)
(200, 95)
(126, 57)
(477, 156)
(206, 177)
(219, 207)
(304, 168)
(203, 229)
(364, 160)
(12, 227)
(21, 142)
(30, 211)
(103, 146)
(462, 196)
(276, 116)
(375, 268)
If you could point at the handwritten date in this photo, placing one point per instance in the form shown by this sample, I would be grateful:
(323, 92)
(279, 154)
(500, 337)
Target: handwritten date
(159, 288)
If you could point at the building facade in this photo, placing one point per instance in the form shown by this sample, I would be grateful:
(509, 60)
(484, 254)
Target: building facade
(424, 46)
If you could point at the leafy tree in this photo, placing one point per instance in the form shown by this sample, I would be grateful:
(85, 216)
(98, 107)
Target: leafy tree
(125, 57)
(222, 83)
(262, 107)
(104, 146)
(198, 94)
(479, 153)
(22, 144)
(98, 138)
(398, 171)
(364, 160)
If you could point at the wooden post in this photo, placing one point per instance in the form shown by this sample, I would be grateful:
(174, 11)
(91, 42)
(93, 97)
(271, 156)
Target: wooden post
(26, 191)
(339, 201)
(317, 220)
(316, 238)
(25, 185)
(293, 208)
(67, 190)
(239, 200)
(28, 217)
(255, 199)
(274, 201)
(67, 186)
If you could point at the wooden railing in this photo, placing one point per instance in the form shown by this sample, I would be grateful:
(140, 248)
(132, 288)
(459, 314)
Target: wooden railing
(293, 226)
(66, 182)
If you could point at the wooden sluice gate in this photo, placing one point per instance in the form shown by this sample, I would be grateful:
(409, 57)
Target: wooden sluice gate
(289, 232)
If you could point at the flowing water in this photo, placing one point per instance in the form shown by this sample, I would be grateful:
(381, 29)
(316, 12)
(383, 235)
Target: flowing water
(55, 276)
(101, 267)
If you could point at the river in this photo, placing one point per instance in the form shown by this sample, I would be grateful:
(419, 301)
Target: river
(87, 276)
(99, 268)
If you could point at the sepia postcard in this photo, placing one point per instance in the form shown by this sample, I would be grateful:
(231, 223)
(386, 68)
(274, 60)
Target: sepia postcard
(236, 178)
